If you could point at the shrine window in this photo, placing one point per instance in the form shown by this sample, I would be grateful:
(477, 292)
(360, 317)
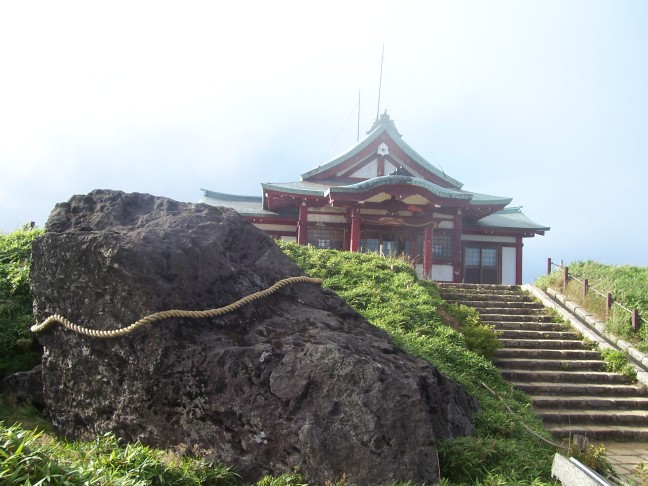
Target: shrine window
(442, 246)
(326, 238)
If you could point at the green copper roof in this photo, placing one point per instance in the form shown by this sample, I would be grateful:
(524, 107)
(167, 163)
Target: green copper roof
(304, 188)
(486, 200)
(246, 205)
(509, 218)
(324, 188)
(396, 179)
(384, 124)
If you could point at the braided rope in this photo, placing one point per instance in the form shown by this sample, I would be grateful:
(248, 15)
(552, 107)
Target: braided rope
(172, 313)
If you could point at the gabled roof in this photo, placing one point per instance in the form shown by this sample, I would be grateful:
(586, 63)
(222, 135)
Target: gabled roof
(382, 126)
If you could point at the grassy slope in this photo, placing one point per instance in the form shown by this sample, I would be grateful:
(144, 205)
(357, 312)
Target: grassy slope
(389, 295)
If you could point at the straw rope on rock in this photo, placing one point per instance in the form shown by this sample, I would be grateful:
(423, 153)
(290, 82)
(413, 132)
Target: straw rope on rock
(158, 316)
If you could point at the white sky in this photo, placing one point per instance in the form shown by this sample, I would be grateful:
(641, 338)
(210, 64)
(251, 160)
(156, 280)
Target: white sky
(544, 101)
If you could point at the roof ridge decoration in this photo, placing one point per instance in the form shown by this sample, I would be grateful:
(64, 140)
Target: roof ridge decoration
(384, 120)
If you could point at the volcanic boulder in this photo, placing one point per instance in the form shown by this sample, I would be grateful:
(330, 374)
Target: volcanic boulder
(298, 379)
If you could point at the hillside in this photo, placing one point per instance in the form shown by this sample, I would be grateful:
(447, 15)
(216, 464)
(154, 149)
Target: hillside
(387, 292)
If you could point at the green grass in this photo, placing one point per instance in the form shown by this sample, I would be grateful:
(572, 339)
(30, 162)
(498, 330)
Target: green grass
(627, 284)
(32, 457)
(388, 293)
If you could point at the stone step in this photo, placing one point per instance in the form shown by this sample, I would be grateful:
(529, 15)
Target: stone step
(550, 364)
(531, 376)
(598, 417)
(532, 326)
(526, 315)
(552, 388)
(467, 286)
(546, 343)
(575, 402)
(601, 432)
(495, 318)
(480, 299)
(537, 335)
(562, 354)
(569, 387)
(510, 308)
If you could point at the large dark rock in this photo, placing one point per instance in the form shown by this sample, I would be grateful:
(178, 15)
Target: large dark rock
(295, 380)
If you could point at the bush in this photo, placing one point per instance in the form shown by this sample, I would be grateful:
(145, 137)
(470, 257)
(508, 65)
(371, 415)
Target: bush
(20, 350)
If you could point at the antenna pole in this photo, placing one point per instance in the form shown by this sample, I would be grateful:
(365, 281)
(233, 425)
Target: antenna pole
(382, 59)
(358, 136)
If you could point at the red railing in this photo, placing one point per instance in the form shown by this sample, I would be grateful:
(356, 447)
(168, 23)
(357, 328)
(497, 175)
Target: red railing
(609, 300)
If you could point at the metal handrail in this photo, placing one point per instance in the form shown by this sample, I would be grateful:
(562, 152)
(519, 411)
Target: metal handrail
(634, 313)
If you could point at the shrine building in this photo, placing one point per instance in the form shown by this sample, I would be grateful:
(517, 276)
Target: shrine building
(382, 196)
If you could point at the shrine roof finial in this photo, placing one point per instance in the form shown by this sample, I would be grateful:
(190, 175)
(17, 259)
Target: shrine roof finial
(383, 120)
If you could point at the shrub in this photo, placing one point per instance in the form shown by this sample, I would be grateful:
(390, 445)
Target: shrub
(20, 350)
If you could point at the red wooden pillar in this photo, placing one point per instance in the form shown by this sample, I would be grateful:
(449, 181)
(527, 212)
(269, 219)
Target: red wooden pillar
(518, 260)
(355, 229)
(301, 223)
(428, 234)
(457, 251)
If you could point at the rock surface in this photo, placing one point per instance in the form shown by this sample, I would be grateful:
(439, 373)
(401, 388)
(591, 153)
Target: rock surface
(24, 388)
(295, 380)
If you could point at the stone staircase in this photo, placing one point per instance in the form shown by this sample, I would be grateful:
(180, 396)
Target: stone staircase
(566, 380)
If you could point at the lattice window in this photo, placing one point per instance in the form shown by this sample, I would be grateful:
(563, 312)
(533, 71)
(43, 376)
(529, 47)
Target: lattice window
(442, 246)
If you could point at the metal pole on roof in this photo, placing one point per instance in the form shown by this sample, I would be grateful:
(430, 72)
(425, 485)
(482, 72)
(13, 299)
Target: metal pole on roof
(358, 136)
(382, 59)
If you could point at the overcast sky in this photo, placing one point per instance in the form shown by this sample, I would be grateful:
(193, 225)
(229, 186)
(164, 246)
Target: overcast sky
(542, 101)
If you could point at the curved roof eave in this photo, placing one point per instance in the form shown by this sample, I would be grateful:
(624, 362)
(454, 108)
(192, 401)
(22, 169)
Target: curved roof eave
(292, 189)
(510, 218)
(420, 160)
(406, 180)
(478, 199)
(362, 144)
